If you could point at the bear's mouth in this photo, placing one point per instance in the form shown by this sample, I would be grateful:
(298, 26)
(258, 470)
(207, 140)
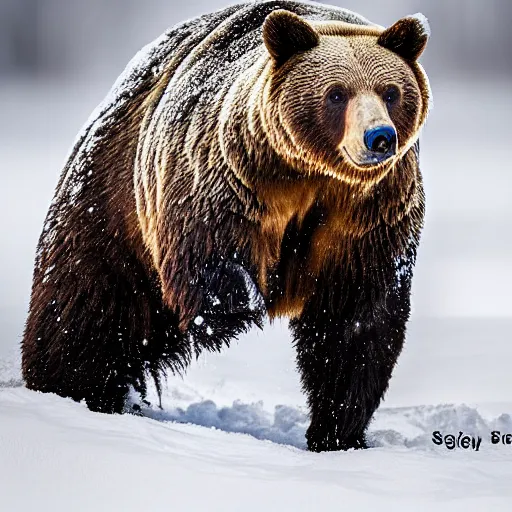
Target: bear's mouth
(357, 164)
(370, 161)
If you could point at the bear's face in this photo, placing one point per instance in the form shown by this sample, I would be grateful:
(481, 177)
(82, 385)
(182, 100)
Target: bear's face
(344, 100)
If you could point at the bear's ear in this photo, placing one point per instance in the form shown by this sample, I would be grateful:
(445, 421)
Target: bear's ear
(407, 37)
(286, 34)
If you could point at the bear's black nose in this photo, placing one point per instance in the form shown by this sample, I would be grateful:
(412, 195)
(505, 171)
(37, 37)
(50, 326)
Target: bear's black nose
(381, 140)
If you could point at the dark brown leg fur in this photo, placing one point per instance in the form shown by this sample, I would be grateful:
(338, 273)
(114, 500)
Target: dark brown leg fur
(348, 340)
(93, 332)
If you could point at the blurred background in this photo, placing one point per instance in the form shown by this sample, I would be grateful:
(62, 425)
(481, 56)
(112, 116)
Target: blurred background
(58, 58)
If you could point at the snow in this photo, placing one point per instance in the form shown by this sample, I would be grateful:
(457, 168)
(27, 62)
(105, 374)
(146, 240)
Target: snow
(230, 435)
(423, 21)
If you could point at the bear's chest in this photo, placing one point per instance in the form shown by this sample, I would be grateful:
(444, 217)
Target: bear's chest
(302, 232)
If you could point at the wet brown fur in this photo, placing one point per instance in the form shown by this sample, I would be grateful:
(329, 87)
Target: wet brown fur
(229, 203)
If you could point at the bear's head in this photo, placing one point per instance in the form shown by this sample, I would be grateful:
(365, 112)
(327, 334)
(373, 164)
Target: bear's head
(344, 100)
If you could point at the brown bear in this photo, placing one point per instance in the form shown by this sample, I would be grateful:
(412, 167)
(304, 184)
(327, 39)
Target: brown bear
(258, 161)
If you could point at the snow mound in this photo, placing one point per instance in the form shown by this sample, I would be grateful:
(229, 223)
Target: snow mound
(408, 427)
(10, 375)
(413, 426)
(287, 425)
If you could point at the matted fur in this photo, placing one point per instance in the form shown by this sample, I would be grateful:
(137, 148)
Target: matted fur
(212, 191)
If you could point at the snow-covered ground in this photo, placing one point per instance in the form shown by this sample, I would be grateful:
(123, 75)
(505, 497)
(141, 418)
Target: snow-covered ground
(58, 456)
(231, 433)
(231, 437)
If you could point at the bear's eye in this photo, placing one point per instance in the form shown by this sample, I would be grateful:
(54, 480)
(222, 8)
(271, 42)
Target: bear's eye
(338, 96)
(391, 95)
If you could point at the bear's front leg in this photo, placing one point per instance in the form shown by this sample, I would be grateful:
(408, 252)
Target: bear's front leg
(348, 339)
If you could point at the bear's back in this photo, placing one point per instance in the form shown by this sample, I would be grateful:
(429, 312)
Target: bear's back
(232, 46)
(201, 58)
(209, 45)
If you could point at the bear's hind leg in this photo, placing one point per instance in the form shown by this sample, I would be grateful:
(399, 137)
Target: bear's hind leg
(93, 331)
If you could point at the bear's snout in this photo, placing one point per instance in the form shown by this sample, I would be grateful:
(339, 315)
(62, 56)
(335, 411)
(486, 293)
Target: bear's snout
(371, 137)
